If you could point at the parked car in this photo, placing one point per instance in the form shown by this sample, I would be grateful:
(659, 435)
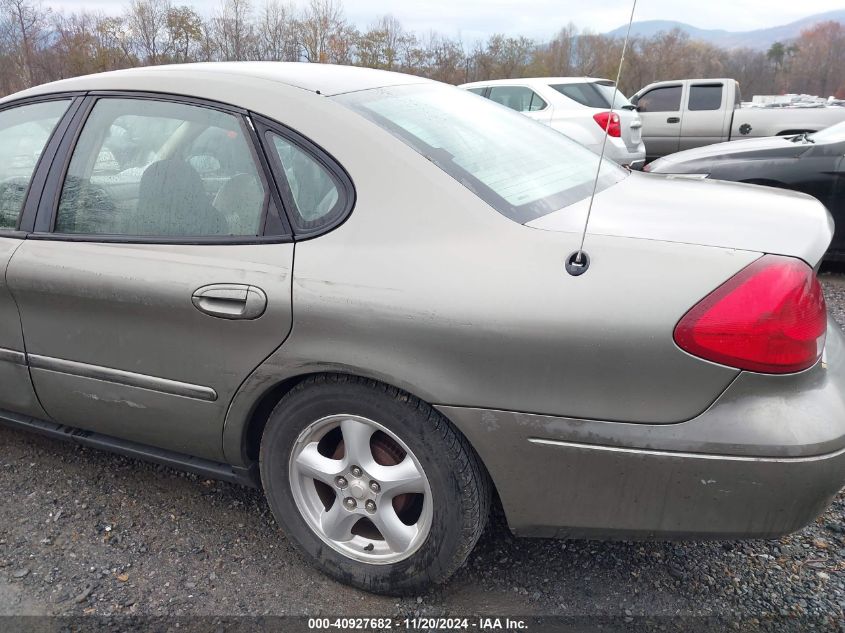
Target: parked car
(579, 107)
(810, 163)
(680, 115)
(426, 346)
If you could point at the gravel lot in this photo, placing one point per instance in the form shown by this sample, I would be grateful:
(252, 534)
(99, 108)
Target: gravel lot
(88, 532)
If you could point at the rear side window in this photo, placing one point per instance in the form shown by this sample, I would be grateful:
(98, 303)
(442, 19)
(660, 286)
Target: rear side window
(24, 132)
(707, 97)
(517, 98)
(666, 99)
(154, 168)
(315, 191)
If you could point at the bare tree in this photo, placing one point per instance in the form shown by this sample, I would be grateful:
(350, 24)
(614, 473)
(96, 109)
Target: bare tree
(234, 30)
(146, 21)
(37, 45)
(382, 44)
(324, 33)
(817, 63)
(276, 34)
(184, 33)
(26, 32)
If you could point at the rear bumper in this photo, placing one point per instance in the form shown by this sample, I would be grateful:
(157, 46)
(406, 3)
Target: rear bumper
(764, 460)
(620, 153)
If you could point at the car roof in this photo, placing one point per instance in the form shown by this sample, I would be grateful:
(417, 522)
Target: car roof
(326, 79)
(534, 80)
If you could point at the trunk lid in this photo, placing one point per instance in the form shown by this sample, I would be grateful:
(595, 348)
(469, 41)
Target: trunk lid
(703, 212)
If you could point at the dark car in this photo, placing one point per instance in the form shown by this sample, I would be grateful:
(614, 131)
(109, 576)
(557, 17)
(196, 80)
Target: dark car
(809, 163)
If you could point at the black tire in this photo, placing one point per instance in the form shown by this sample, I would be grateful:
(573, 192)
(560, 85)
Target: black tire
(458, 481)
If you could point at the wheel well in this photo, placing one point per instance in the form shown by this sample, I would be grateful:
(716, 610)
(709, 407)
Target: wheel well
(264, 407)
(261, 413)
(794, 132)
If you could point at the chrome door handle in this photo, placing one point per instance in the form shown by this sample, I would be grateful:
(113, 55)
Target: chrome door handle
(230, 301)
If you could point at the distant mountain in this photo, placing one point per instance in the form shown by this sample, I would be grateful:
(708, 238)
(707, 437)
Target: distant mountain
(760, 39)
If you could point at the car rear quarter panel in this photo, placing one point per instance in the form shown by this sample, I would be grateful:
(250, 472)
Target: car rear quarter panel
(427, 288)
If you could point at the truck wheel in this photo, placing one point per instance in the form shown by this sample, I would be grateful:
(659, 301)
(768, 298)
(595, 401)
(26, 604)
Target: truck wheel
(374, 486)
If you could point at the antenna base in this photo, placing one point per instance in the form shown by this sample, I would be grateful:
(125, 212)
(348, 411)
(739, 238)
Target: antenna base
(577, 263)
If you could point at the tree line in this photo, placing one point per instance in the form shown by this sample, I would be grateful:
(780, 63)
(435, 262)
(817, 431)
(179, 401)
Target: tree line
(38, 44)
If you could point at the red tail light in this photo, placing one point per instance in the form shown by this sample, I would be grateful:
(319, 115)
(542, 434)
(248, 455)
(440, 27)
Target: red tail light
(614, 128)
(769, 318)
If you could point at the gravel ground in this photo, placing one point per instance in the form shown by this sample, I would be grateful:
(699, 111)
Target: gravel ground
(88, 532)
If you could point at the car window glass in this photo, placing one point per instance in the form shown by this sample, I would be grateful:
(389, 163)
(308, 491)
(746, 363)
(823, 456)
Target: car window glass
(521, 169)
(314, 190)
(593, 94)
(666, 99)
(24, 132)
(478, 91)
(155, 168)
(705, 97)
(517, 98)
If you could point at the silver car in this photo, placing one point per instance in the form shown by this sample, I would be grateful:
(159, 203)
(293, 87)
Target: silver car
(357, 289)
(583, 108)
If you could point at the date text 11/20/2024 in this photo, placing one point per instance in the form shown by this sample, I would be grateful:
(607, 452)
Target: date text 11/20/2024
(417, 624)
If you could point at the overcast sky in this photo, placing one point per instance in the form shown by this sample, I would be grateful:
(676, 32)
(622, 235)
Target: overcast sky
(476, 19)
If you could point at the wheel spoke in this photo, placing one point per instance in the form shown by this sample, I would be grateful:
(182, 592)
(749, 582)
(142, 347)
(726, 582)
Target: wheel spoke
(337, 522)
(399, 479)
(311, 463)
(397, 535)
(356, 443)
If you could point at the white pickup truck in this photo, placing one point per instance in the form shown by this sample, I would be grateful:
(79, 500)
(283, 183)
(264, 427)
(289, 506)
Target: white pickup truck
(679, 115)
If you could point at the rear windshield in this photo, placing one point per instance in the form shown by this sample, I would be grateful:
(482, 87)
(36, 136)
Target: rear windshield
(597, 94)
(521, 168)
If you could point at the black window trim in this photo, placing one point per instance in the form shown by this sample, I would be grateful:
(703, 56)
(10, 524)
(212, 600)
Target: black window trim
(274, 230)
(346, 188)
(26, 218)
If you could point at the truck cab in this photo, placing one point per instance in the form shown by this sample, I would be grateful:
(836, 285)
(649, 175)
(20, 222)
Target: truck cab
(679, 115)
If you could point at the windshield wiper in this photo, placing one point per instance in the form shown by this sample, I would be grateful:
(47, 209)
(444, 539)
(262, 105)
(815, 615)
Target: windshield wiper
(804, 137)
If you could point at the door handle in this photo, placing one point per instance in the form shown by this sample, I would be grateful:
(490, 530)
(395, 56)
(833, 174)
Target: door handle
(230, 301)
(673, 119)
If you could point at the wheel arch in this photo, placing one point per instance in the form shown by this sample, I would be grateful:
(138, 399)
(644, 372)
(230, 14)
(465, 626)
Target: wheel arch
(242, 437)
(795, 132)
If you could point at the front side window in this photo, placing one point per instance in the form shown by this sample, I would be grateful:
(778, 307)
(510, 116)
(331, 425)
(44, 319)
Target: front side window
(315, 192)
(522, 169)
(161, 169)
(24, 133)
(666, 99)
(702, 98)
(517, 98)
(478, 91)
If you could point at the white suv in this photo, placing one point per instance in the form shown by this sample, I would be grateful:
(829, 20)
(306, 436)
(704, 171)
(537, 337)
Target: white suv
(576, 106)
